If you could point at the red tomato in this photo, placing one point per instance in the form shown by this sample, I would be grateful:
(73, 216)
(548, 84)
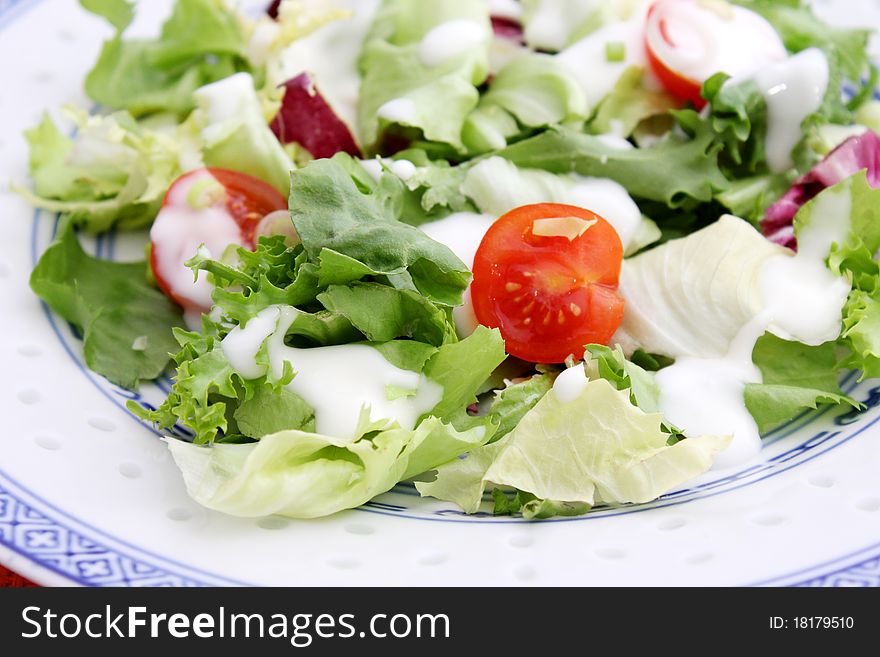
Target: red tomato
(194, 213)
(658, 39)
(550, 293)
(688, 41)
(248, 199)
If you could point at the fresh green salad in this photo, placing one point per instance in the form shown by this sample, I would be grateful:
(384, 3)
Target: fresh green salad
(546, 254)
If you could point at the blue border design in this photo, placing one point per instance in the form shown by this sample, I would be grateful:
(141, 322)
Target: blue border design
(30, 526)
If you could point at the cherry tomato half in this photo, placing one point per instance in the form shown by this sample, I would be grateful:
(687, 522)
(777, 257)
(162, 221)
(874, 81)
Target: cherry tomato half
(546, 275)
(199, 211)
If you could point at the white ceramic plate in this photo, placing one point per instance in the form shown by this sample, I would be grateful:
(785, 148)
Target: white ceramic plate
(89, 495)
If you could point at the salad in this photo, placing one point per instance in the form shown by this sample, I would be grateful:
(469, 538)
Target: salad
(561, 253)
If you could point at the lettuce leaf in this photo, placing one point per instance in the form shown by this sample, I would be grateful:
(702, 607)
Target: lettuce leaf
(307, 475)
(675, 171)
(795, 377)
(629, 104)
(201, 42)
(126, 323)
(403, 86)
(715, 269)
(112, 174)
(235, 134)
(595, 448)
(336, 220)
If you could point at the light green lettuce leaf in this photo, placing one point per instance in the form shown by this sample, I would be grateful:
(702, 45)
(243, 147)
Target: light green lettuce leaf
(432, 97)
(112, 173)
(795, 377)
(858, 203)
(595, 448)
(270, 411)
(201, 42)
(307, 475)
(235, 134)
(629, 104)
(538, 91)
(717, 269)
(126, 323)
(554, 24)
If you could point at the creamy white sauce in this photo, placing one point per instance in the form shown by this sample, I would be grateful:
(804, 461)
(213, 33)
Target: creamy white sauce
(179, 231)
(403, 169)
(331, 56)
(792, 89)
(399, 110)
(341, 383)
(605, 197)
(506, 9)
(225, 99)
(802, 301)
(450, 40)
(707, 40)
(550, 23)
(570, 384)
(587, 59)
(462, 233)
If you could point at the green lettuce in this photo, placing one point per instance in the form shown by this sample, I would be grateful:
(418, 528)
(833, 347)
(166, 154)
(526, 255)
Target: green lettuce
(126, 323)
(201, 42)
(307, 475)
(675, 171)
(112, 174)
(234, 133)
(796, 377)
(856, 259)
(596, 448)
(436, 97)
(629, 105)
(356, 235)
(536, 91)
(716, 269)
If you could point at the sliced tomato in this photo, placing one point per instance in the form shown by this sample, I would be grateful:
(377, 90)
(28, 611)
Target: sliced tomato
(211, 207)
(546, 275)
(689, 41)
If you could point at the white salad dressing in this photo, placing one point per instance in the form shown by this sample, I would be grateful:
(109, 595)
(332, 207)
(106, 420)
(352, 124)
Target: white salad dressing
(403, 169)
(792, 89)
(511, 9)
(331, 56)
(178, 233)
(708, 39)
(450, 40)
(399, 110)
(803, 301)
(605, 197)
(340, 382)
(570, 384)
(461, 233)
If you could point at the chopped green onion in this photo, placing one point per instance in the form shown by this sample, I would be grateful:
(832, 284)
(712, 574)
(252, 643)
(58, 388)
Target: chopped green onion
(615, 51)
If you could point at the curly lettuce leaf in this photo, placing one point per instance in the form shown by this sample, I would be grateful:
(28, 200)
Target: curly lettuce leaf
(321, 475)
(113, 173)
(595, 448)
(126, 323)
